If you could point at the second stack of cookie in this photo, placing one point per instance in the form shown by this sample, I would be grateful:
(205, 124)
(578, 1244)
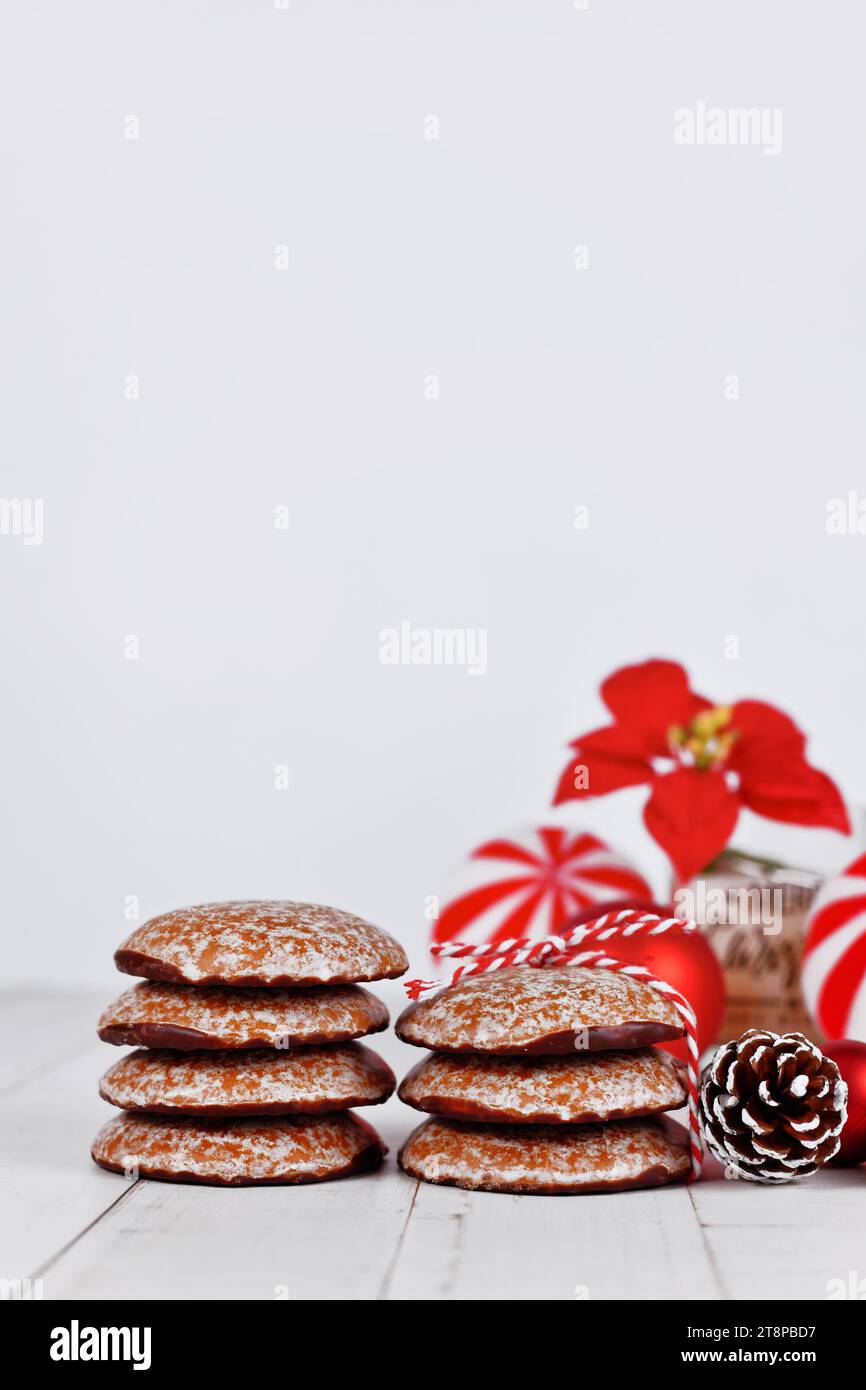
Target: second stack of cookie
(545, 1080)
(248, 1064)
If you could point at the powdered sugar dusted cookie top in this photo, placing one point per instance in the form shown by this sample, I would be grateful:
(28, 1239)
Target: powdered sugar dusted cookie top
(260, 943)
(547, 1158)
(211, 1016)
(296, 1148)
(254, 1082)
(524, 1009)
(546, 1090)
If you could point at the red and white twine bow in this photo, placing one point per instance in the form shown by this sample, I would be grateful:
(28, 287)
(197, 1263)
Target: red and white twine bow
(570, 948)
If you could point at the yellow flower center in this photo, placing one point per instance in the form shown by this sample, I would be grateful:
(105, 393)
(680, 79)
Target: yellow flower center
(707, 741)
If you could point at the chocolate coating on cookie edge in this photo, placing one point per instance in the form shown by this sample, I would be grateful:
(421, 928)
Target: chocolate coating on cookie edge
(606, 1039)
(202, 1019)
(191, 1040)
(260, 943)
(364, 1162)
(651, 1177)
(240, 1152)
(148, 968)
(474, 1113)
(548, 1161)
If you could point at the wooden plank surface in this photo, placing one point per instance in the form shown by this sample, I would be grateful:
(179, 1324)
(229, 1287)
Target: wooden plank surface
(91, 1234)
(471, 1245)
(49, 1189)
(785, 1242)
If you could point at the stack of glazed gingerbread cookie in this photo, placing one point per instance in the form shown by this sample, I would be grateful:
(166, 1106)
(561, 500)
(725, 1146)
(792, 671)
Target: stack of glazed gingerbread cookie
(545, 1080)
(248, 1064)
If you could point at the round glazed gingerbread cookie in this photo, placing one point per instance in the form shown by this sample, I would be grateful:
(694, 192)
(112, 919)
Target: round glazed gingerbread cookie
(546, 1090)
(523, 1009)
(255, 1082)
(260, 943)
(189, 1017)
(551, 1159)
(238, 1153)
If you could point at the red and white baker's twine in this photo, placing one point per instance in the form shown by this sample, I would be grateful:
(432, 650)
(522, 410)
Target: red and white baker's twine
(569, 949)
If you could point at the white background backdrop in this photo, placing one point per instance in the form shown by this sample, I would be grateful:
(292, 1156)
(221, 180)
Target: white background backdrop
(305, 388)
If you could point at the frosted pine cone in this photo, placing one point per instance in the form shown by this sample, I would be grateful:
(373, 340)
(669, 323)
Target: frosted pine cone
(772, 1106)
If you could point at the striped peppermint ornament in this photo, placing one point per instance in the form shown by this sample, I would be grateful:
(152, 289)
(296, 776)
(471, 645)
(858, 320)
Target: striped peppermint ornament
(531, 882)
(833, 968)
(586, 944)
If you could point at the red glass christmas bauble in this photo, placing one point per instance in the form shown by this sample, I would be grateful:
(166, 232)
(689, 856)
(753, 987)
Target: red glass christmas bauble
(850, 1058)
(685, 960)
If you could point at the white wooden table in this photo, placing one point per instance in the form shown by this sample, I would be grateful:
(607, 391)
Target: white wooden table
(91, 1234)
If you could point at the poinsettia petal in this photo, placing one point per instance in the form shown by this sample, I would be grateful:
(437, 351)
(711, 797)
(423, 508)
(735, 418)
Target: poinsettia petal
(765, 740)
(649, 697)
(618, 741)
(600, 776)
(799, 795)
(775, 779)
(691, 813)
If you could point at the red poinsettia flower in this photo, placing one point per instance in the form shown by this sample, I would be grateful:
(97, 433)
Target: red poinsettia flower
(702, 761)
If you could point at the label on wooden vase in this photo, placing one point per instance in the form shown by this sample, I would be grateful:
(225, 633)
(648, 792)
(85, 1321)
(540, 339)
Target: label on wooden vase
(754, 913)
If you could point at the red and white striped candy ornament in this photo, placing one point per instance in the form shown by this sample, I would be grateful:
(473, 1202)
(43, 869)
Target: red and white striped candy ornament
(833, 968)
(531, 883)
(571, 948)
